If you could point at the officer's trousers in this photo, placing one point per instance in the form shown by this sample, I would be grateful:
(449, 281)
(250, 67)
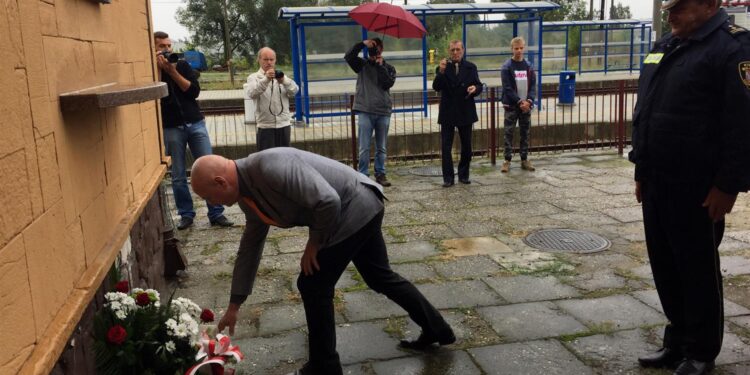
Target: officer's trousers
(683, 246)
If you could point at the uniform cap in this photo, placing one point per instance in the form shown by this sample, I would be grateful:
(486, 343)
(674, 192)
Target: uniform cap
(668, 4)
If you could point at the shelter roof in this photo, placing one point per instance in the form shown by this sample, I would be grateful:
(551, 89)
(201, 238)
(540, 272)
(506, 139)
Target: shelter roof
(325, 12)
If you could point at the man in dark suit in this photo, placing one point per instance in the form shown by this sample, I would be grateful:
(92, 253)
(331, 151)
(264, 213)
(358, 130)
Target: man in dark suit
(458, 82)
(286, 187)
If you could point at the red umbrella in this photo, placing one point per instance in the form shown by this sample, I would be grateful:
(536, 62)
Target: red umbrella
(388, 19)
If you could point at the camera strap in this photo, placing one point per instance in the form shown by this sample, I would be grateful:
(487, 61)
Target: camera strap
(270, 101)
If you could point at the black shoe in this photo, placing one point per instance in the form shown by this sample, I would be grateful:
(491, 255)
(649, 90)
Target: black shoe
(305, 370)
(693, 367)
(185, 222)
(465, 181)
(426, 341)
(665, 357)
(382, 180)
(447, 184)
(221, 221)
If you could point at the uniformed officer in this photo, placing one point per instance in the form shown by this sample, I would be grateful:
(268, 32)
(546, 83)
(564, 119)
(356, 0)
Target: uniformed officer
(691, 149)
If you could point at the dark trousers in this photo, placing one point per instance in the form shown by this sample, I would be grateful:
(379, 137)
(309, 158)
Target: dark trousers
(683, 246)
(524, 123)
(366, 249)
(267, 138)
(446, 142)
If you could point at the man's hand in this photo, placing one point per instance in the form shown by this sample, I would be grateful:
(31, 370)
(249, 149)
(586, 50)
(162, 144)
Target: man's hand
(369, 43)
(719, 203)
(270, 74)
(229, 319)
(309, 262)
(638, 191)
(443, 64)
(471, 89)
(379, 60)
(165, 65)
(524, 106)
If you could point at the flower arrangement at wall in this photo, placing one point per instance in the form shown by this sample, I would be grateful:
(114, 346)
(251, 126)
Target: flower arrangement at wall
(136, 334)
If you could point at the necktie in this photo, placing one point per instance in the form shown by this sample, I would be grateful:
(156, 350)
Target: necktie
(261, 215)
(456, 69)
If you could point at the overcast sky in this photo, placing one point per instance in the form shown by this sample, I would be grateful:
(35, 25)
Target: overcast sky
(165, 10)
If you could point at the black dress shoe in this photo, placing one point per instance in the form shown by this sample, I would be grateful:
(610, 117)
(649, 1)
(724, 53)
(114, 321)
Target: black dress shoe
(221, 221)
(665, 357)
(426, 341)
(447, 184)
(464, 181)
(693, 367)
(185, 222)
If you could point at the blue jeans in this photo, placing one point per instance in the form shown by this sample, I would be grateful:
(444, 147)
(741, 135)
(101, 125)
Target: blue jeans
(176, 140)
(369, 122)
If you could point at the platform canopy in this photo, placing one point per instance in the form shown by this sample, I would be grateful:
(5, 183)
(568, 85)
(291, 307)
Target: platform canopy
(317, 13)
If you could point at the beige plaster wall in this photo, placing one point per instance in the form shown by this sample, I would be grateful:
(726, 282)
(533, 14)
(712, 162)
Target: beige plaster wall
(71, 184)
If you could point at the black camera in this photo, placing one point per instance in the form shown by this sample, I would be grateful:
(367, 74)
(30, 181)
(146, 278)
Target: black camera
(172, 57)
(372, 51)
(278, 74)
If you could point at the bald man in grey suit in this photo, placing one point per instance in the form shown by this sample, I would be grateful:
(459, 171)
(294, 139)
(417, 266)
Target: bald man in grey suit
(343, 209)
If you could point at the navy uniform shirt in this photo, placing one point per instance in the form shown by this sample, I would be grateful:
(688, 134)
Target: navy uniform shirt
(691, 123)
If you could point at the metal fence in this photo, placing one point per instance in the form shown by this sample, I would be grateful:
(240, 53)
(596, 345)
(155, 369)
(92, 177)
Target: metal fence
(600, 118)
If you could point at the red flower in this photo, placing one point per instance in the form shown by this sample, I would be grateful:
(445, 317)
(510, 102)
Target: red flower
(117, 334)
(207, 316)
(123, 286)
(142, 299)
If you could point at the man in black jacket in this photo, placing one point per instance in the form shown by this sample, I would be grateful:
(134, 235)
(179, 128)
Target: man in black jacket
(690, 148)
(183, 125)
(457, 80)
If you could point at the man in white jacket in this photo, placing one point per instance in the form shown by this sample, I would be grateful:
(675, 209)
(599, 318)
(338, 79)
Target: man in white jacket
(271, 89)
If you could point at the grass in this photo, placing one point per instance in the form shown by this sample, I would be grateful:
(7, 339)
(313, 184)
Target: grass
(553, 268)
(211, 250)
(223, 276)
(604, 328)
(395, 327)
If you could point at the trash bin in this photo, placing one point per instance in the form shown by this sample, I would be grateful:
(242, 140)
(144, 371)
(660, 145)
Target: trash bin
(567, 93)
(249, 106)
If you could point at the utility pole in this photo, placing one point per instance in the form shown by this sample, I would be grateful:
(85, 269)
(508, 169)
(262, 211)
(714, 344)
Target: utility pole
(601, 11)
(227, 45)
(656, 19)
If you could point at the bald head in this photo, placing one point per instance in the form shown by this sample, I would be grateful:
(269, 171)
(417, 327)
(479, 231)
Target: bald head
(214, 178)
(266, 58)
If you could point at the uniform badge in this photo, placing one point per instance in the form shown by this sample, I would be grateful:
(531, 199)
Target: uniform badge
(734, 29)
(653, 58)
(744, 69)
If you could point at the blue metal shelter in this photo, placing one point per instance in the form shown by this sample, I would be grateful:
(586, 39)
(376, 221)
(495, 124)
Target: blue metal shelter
(300, 18)
(616, 45)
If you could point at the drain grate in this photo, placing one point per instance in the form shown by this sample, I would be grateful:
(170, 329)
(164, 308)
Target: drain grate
(428, 171)
(567, 240)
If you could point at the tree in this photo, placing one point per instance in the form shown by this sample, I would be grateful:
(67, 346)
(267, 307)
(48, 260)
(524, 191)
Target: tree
(619, 12)
(252, 24)
(570, 10)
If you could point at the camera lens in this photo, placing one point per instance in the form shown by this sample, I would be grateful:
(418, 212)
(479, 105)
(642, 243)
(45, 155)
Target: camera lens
(279, 74)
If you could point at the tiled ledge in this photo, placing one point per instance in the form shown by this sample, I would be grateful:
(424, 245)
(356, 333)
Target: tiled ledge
(111, 95)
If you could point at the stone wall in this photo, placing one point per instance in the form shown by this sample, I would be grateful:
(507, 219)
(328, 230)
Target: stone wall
(71, 184)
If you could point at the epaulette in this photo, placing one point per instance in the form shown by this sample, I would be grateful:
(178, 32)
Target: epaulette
(733, 29)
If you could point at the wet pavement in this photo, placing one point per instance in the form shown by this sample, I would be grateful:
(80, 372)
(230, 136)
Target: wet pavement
(515, 309)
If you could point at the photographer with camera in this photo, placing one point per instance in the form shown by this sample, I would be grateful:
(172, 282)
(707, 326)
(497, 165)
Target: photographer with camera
(271, 90)
(183, 125)
(372, 103)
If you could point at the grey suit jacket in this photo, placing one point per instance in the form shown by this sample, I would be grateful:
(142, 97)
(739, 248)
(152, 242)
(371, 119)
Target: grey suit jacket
(299, 188)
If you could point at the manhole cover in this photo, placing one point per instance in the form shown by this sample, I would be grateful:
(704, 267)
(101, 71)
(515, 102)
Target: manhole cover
(429, 171)
(568, 240)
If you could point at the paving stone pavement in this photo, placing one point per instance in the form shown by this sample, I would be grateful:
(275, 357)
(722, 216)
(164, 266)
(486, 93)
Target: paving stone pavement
(515, 310)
